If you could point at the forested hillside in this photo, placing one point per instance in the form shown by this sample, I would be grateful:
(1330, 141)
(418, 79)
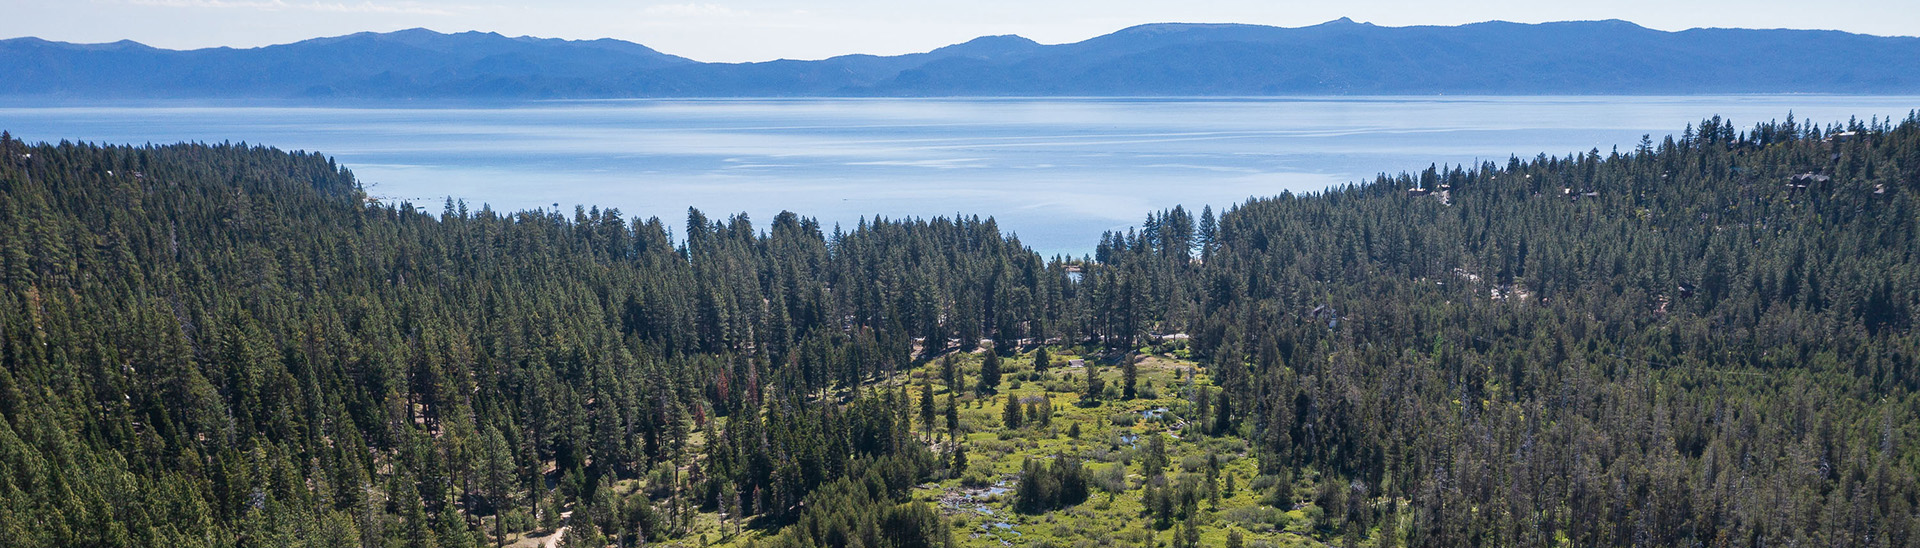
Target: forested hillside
(1709, 340)
(1706, 341)
(218, 345)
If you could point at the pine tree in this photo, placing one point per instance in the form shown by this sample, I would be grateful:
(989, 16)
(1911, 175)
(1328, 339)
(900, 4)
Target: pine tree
(499, 470)
(583, 534)
(1209, 232)
(953, 417)
(1129, 374)
(989, 373)
(1095, 386)
(927, 408)
(1213, 480)
(950, 372)
(1041, 411)
(1155, 463)
(1042, 360)
(1202, 408)
(1011, 414)
(549, 512)
(1223, 415)
(1189, 535)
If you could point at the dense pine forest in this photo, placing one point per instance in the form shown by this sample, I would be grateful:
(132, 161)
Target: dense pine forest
(1709, 340)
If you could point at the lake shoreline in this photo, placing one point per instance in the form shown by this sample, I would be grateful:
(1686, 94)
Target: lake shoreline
(1056, 171)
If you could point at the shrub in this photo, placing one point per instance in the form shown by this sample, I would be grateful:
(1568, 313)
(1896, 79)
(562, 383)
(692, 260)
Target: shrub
(976, 477)
(1112, 479)
(1193, 463)
(1265, 482)
(1255, 518)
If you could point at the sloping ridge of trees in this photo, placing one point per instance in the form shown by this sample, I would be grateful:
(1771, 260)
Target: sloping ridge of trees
(228, 345)
(1708, 340)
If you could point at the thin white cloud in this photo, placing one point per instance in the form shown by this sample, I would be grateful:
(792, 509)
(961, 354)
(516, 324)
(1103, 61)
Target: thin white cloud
(693, 10)
(412, 8)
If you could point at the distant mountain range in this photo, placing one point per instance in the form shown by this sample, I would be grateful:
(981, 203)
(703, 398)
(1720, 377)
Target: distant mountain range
(1336, 58)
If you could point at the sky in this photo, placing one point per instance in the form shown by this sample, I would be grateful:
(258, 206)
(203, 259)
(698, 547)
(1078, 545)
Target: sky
(759, 30)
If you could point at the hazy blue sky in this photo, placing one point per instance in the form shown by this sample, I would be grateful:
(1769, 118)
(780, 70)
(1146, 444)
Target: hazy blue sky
(752, 30)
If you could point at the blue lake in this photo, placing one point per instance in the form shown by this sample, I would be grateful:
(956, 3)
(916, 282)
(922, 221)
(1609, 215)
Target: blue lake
(1056, 171)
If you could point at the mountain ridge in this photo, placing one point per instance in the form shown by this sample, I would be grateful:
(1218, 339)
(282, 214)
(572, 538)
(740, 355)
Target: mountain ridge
(1339, 57)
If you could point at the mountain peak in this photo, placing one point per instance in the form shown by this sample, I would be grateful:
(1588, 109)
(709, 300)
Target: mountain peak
(1172, 28)
(988, 46)
(122, 45)
(415, 31)
(1619, 23)
(1003, 39)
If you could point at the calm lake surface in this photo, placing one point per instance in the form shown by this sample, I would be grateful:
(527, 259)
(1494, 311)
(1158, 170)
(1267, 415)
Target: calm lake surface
(1056, 171)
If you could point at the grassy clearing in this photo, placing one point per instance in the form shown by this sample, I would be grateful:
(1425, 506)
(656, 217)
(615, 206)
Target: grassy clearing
(1112, 439)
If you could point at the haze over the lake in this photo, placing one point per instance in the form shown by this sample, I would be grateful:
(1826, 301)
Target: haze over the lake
(762, 30)
(1056, 171)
